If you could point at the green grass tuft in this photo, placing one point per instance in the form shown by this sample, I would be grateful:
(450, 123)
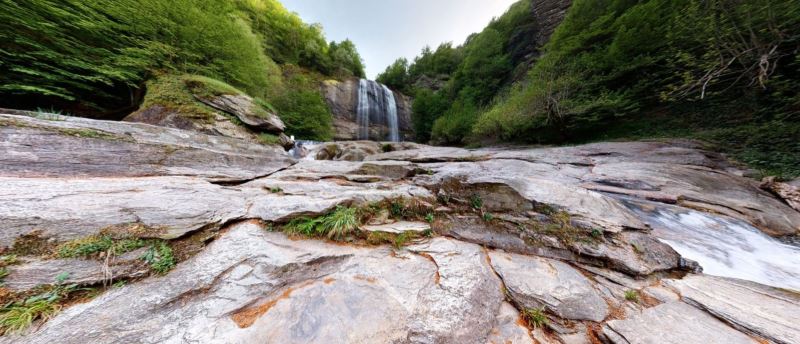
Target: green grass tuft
(268, 139)
(535, 317)
(160, 258)
(476, 201)
(338, 224)
(632, 295)
(95, 244)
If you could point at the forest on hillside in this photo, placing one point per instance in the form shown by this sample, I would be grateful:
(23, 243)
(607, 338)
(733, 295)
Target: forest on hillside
(724, 71)
(103, 59)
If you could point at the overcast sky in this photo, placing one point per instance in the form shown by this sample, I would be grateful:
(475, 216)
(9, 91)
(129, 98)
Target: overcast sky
(384, 30)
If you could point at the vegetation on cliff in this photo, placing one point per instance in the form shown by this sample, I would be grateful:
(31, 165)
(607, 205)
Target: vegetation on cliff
(725, 71)
(95, 58)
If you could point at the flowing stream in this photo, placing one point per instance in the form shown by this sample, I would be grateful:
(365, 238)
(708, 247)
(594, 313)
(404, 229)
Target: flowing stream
(376, 106)
(722, 245)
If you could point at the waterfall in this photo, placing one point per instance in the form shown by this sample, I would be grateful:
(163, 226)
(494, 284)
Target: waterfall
(376, 106)
(391, 114)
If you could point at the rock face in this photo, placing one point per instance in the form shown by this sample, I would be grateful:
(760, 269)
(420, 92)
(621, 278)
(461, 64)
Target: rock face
(342, 98)
(673, 323)
(253, 286)
(548, 14)
(753, 308)
(529, 245)
(235, 116)
(535, 282)
(75, 147)
(245, 109)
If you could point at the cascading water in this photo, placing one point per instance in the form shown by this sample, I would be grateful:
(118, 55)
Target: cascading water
(363, 110)
(391, 114)
(722, 245)
(376, 106)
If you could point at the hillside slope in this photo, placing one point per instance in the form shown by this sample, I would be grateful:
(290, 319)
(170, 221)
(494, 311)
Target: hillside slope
(723, 71)
(98, 58)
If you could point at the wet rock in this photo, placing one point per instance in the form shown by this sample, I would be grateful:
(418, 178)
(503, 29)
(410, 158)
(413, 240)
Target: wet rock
(247, 111)
(254, 286)
(709, 190)
(672, 323)
(635, 253)
(763, 311)
(77, 147)
(509, 328)
(342, 98)
(535, 282)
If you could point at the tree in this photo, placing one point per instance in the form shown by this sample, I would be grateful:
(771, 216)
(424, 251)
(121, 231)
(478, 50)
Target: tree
(396, 76)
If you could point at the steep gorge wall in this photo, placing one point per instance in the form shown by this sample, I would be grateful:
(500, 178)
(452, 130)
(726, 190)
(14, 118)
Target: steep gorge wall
(548, 14)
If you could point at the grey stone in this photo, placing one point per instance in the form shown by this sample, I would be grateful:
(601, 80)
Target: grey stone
(398, 227)
(342, 99)
(535, 282)
(76, 147)
(31, 274)
(509, 328)
(254, 286)
(244, 108)
(66, 209)
(672, 323)
(763, 311)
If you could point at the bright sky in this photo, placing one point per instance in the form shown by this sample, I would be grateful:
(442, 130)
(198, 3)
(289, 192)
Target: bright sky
(384, 30)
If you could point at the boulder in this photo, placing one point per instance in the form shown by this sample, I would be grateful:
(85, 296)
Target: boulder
(247, 111)
(535, 282)
(216, 123)
(77, 147)
(673, 323)
(762, 311)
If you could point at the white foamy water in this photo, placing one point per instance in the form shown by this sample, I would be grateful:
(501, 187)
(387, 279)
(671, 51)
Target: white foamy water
(376, 106)
(722, 245)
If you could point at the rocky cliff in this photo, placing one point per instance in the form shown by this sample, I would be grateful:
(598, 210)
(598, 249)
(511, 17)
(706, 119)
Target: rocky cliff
(342, 98)
(186, 237)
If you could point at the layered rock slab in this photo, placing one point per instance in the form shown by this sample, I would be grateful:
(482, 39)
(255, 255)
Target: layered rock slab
(535, 282)
(673, 323)
(255, 286)
(65, 209)
(76, 147)
(763, 311)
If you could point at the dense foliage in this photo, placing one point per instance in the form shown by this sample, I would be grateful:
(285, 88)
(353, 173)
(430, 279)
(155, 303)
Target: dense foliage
(726, 71)
(94, 57)
(467, 78)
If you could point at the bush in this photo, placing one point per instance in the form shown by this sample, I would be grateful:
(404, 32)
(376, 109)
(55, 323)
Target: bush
(92, 56)
(302, 107)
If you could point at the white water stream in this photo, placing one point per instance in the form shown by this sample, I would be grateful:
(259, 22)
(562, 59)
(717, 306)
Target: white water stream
(376, 106)
(722, 245)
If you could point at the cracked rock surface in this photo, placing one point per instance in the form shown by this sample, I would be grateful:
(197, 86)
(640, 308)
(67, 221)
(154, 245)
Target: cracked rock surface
(603, 242)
